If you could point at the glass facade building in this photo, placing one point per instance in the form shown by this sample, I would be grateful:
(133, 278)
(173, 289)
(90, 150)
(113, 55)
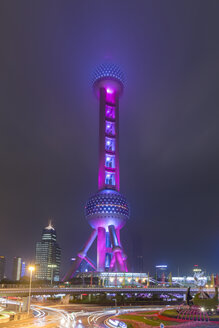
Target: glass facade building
(16, 269)
(23, 269)
(48, 256)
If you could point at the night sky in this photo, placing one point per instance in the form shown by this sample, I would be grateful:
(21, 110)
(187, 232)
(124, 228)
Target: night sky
(169, 136)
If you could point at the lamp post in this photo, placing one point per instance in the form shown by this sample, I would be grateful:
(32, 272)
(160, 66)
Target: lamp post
(31, 269)
(52, 266)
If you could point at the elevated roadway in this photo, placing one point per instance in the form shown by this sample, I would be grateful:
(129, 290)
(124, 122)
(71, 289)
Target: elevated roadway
(95, 290)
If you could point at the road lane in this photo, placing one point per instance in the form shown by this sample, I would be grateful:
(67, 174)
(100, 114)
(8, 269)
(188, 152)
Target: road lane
(99, 318)
(71, 316)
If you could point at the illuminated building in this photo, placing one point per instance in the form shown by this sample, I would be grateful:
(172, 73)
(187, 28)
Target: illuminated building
(199, 278)
(16, 269)
(161, 271)
(23, 269)
(191, 281)
(196, 268)
(48, 256)
(107, 211)
(112, 279)
(2, 267)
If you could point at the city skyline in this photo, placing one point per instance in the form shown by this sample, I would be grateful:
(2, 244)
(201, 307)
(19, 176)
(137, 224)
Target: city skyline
(169, 136)
(19, 268)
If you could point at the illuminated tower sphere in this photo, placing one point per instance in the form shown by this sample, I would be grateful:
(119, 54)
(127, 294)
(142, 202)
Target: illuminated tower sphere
(107, 211)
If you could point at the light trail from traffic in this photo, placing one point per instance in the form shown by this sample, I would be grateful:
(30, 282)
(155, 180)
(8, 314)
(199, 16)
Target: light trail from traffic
(101, 317)
(55, 317)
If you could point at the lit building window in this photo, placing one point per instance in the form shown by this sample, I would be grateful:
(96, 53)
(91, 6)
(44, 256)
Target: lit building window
(110, 179)
(110, 144)
(110, 112)
(110, 161)
(110, 128)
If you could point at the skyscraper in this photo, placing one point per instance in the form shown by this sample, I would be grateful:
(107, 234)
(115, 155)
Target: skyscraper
(2, 267)
(107, 211)
(23, 269)
(161, 270)
(16, 269)
(48, 256)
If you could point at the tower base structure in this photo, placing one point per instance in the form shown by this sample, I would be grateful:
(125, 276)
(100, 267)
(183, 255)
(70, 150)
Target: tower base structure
(114, 279)
(106, 212)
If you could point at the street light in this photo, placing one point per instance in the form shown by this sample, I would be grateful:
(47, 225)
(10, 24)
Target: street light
(31, 269)
(52, 266)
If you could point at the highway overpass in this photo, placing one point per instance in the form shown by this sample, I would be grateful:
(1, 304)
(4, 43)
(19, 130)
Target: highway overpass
(94, 290)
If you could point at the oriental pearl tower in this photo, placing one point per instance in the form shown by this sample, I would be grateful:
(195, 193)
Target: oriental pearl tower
(107, 211)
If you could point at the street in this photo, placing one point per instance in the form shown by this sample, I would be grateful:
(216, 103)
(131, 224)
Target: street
(69, 316)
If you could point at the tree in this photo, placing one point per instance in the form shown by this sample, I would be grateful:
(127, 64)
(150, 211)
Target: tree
(207, 303)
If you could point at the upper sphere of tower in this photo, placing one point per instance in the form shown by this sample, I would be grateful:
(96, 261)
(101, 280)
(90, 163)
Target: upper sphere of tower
(109, 76)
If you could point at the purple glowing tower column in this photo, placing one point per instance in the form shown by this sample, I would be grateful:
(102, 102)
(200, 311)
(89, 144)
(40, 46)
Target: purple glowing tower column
(107, 211)
(108, 176)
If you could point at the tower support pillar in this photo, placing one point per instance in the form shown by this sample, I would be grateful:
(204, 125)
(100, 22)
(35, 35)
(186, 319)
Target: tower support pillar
(101, 249)
(117, 250)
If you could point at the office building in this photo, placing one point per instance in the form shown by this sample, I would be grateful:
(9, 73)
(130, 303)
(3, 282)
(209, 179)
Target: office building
(161, 271)
(23, 269)
(48, 256)
(16, 269)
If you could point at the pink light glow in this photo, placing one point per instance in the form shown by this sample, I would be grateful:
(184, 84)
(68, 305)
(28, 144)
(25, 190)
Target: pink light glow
(108, 90)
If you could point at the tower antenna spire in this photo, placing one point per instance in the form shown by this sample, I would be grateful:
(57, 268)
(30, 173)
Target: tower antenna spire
(50, 226)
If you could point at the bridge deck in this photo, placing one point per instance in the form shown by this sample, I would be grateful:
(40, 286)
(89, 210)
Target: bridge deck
(92, 290)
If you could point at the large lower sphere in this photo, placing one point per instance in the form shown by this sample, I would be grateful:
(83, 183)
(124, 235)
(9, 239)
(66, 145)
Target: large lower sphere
(107, 207)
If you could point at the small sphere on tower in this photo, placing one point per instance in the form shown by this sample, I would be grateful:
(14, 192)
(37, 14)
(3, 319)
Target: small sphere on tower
(110, 77)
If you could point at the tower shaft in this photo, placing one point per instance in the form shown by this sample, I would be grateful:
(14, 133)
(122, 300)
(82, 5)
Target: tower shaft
(108, 176)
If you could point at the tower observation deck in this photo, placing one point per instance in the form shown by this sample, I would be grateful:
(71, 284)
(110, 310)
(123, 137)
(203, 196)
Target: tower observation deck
(106, 211)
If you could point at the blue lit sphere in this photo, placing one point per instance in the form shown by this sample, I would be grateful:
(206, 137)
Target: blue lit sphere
(107, 207)
(108, 75)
